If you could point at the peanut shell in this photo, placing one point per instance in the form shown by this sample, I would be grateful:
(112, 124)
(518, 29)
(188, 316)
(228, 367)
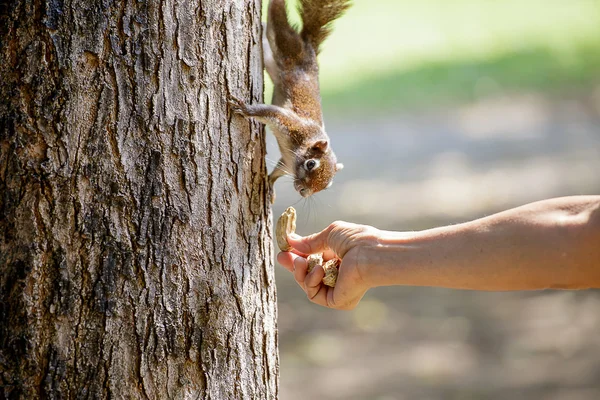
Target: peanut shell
(313, 260)
(286, 224)
(331, 269)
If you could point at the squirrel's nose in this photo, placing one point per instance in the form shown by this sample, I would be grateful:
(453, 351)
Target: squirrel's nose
(304, 192)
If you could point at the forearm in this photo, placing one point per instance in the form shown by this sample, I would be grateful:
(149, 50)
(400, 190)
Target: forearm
(548, 244)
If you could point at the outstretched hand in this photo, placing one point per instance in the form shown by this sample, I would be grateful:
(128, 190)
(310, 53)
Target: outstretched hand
(344, 241)
(547, 244)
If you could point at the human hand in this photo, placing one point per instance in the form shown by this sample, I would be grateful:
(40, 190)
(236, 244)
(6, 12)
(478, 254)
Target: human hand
(345, 241)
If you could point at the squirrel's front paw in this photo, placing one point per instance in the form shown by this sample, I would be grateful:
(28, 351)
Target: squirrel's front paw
(237, 106)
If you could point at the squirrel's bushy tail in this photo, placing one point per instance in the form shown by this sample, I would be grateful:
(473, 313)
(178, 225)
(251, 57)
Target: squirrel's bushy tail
(283, 38)
(317, 16)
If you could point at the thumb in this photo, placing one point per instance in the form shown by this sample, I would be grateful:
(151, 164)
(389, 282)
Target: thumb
(315, 243)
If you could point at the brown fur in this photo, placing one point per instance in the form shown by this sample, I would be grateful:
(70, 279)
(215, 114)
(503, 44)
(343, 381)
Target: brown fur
(295, 53)
(317, 16)
(295, 115)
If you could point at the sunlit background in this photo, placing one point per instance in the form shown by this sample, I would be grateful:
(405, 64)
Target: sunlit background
(444, 111)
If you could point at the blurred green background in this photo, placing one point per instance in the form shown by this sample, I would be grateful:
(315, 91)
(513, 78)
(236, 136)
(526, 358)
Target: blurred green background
(406, 53)
(444, 111)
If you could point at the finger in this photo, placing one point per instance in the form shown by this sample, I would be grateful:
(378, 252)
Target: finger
(314, 278)
(286, 259)
(343, 299)
(315, 289)
(315, 243)
(301, 254)
(330, 300)
(300, 266)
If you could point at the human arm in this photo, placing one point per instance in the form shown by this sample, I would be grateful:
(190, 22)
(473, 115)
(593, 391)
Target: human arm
(548, 244)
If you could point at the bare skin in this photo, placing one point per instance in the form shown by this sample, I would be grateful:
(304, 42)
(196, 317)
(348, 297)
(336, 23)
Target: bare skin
(550, 244)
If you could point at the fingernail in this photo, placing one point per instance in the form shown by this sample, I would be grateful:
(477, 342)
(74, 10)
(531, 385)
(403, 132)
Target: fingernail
(295, 236)
(294, 264)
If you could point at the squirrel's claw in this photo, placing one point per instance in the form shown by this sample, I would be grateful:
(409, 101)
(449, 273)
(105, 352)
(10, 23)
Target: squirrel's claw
(237, 106)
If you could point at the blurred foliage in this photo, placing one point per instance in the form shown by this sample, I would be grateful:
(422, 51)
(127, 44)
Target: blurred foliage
(406, 53)
(447, 82)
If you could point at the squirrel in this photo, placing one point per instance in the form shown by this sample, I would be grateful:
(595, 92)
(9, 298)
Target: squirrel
(295, 115)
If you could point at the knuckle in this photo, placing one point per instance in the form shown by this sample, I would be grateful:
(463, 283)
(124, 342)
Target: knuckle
(338, 224)
(312, 297)
(336, 228)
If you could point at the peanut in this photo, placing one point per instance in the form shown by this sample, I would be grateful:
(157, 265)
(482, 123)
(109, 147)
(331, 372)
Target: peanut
(286, 224)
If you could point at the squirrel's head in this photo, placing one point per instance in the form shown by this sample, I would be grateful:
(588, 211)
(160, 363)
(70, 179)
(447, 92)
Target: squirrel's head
(315, 168)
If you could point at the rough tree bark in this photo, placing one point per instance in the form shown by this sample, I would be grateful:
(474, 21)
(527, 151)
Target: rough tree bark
(135, 236)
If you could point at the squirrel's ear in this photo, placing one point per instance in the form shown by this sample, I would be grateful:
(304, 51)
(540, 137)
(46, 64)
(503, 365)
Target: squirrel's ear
(321, 145)
(339, 166)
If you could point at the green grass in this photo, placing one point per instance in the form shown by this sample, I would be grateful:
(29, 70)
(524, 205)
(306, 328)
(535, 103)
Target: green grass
(406, 53)
(442, 83)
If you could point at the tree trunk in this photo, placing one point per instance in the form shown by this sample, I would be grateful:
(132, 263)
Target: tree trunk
(135, 236)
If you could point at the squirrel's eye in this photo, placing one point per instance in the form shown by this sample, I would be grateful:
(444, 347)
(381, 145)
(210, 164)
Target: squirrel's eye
(311, 164)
